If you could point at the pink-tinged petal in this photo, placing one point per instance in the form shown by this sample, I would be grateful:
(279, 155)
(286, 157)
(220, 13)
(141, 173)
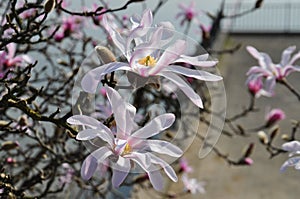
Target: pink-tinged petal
(164, 147)
(120, 171)
(169, 56)
(188, 91)
(154, 42)
(197, 74)
(258, 70)
(200, 60)
(295, 161)
(263, 58)
(155, 126)
(286, 55)
(294, 58)
(270, 84)
(88, 134)
(167, 168)
(115, 35)
(92, 78)
(156, 179)
(141, 159)
(288, 69)
(123, 112)
(11, 49)
(291, 146)
(88, 167)
(84, 120)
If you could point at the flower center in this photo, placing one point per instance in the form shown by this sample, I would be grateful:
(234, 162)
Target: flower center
(127, 149)
(147, 61)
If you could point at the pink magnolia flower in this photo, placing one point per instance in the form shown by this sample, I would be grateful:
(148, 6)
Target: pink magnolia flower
(187, 13)
(9, 60)
(192, 185)
(255, 87)
(294, 148)
(149, 58)
(71, 25)
(274, 116)
(66, 178)
(130, 145)
(273, 72)
(184, 166)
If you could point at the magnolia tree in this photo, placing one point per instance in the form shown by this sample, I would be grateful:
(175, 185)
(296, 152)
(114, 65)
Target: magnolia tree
(96, 101)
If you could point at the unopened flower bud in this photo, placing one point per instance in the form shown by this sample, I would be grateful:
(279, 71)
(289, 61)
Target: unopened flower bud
(9, 145)
(49, 5)
(248, 161)
(274, 116)
(263, 138)
(105, 55)
(285, 137)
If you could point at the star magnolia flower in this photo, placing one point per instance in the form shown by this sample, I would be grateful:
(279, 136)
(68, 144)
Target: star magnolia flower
(294, 148)
(187, 12)
(129, 145)
(192, 185)
(149, 59)
(70, 25)
(184, 166)
(273, 72)
(9, 60)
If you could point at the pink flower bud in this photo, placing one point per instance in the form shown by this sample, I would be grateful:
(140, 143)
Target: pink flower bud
(274, 116)
(248, 161)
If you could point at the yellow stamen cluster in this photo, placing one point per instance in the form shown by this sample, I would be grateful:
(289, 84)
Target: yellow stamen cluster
(147, 61)
(127, 149)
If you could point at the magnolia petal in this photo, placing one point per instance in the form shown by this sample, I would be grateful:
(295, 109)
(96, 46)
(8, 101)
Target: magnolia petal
(84, 120)
(92, 78)
(270, 84)
(88, 167)
(11, 49)
(188, 91)
(196, 61)
(164, 147)
(288, 69)
(123, 112)
(89, 134)
(286, 55)
(291, 146)
(155, 126)
(290, 162)
(263, 58)
(169, 56)
(257, 70)
(141, 159)
(156, 179)
(294, 58)
(115, 35)
(120, 171)
(167, 168)
(198, 74)
(101, 154)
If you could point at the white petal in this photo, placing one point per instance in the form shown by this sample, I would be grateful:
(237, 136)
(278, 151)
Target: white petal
(89, 134)
(286, 55)
(156, 179)
(88, 167)
(290, 162)
(167, 168)
(198, 74)
(93, 77)
(120, 171)
(155, 126)
(101, 154)
(123, 112)
(190, 93)
(164, 147)
(199, 60)
(85, 121)
(291, 146)
(141, 159)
